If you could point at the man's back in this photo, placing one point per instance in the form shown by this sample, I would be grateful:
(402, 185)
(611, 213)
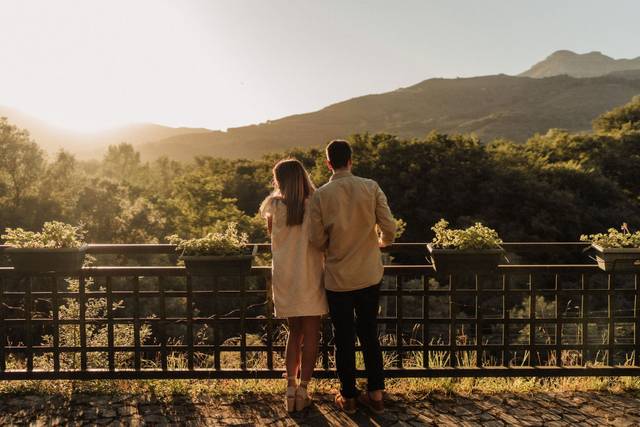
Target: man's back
(343, 216)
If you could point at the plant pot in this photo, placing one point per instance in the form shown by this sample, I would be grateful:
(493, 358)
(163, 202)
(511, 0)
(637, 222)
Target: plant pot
(216, 265)
(47, 260)
(617, 259)
(465, 260)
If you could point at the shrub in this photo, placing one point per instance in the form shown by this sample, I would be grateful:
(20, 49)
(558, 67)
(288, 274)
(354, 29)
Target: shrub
(477, 236)
(229, 242)
(54, 234)
(614, 238)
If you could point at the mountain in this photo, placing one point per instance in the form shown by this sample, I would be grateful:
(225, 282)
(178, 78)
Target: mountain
(90, 144)
(566, 90)
(490, 106)
(590, 64)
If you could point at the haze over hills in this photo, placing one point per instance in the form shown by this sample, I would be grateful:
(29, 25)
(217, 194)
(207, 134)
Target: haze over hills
(565, 90)
(89, 144)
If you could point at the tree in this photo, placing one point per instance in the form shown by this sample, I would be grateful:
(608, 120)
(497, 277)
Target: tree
(621, 119)
(21, 166)
(59, 189)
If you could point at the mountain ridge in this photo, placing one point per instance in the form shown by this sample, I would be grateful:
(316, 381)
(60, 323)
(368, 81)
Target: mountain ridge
(490, 106)
(591, 64)
(496, 106)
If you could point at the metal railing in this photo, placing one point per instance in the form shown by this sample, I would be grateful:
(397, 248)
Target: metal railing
(159, 322)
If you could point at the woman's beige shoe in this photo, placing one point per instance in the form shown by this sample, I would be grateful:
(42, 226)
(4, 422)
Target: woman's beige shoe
(290, 398)
(302, 398)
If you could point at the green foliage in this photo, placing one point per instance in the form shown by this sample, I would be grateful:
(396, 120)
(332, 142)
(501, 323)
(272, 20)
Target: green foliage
(556, 186)
(401, 226)
(228, 242)
(622, 238)
(21, 168)
(54, 234)
(96, 334)
(624, 118)
(477, 236)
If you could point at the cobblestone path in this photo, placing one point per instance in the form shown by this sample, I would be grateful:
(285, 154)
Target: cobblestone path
(596, 409)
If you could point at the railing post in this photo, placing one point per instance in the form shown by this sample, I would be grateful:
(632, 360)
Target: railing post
(3, 334)
(506, 336)
(110, 334)
(83, 324)
(479, 323)
(190, 355)
(453, 313)
(559, 320)
(216, 325)
(326, 331)
(269, 316)
(636, 312)
(611, 316)
(136, 323)
(425, 325)
(29, 338)
(532, 319)
(399, 316)
(55, 313)
(243, 326)
(163, 324)
(584, 323)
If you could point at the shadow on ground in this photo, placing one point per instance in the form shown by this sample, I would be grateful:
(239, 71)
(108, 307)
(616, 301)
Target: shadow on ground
(540, 409)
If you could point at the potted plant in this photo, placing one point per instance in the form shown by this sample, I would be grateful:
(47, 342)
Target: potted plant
(58, 247)
(616, 250)
(216, 254)
(475, 249)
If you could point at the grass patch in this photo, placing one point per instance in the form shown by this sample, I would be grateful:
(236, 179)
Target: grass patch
(234, 389)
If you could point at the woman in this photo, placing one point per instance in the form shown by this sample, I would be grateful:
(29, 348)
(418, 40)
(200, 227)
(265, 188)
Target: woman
(298, 292)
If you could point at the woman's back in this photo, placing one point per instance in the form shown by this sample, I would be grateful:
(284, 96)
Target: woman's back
(297, 266)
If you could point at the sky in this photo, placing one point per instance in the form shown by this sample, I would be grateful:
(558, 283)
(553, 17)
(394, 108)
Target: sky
(89, 65)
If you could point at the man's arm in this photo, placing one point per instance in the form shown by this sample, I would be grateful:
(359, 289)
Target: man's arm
(384, 219)
(317, 234)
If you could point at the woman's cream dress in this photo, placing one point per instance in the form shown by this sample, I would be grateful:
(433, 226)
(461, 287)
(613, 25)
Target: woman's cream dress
(297, 266)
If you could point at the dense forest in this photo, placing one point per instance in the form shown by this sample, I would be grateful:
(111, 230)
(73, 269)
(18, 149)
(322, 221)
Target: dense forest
(555, 186)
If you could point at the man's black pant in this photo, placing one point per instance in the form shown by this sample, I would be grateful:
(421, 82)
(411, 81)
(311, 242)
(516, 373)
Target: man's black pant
(342, 306)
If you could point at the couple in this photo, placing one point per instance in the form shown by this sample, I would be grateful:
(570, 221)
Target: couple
(326, 258)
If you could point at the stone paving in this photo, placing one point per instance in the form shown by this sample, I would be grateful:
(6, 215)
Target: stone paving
(541, 409)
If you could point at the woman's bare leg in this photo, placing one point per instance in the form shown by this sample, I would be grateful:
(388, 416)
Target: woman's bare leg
(311, 337)
(293, 352)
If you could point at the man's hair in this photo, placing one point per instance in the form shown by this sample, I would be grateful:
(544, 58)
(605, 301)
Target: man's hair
(338, 153)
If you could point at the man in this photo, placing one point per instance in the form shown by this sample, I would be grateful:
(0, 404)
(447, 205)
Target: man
(343, 217)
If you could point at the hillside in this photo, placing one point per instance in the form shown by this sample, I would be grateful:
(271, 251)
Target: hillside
(565, 90)
(592, 64)
(490, 106)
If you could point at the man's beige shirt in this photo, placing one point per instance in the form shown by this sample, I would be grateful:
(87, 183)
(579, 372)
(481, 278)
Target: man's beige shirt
(343, 217)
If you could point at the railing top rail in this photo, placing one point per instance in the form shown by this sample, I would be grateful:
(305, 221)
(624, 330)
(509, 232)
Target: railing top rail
(163, 248)
(266, 270)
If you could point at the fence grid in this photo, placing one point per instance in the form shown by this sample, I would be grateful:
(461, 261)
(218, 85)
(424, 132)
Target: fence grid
(159, 322)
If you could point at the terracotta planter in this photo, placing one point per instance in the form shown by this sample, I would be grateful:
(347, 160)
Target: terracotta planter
(47, 260)
(466, 260)
(617, 259)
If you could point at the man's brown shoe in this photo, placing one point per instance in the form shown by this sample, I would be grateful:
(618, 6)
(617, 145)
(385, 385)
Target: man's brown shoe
(348, 405)
(375, 406)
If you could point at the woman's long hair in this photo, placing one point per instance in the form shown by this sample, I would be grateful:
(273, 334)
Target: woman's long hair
(293, 186)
